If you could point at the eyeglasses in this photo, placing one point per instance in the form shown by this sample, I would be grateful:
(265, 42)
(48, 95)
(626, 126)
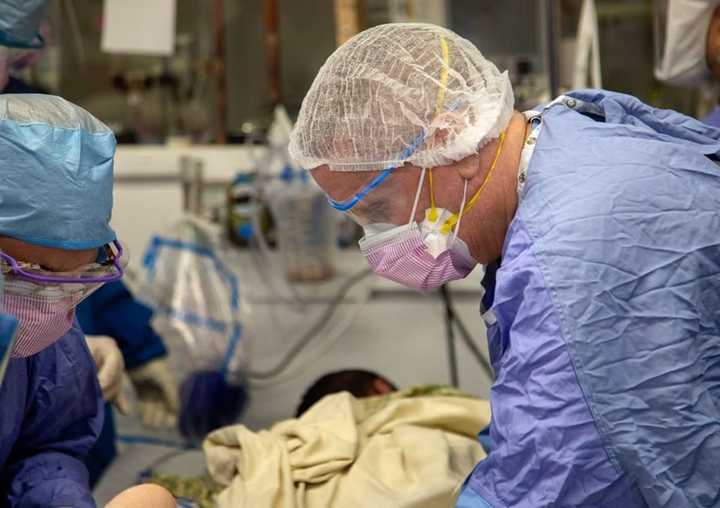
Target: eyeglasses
(109, 266)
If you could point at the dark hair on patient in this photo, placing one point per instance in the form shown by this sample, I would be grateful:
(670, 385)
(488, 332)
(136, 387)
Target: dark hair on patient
(360, 383)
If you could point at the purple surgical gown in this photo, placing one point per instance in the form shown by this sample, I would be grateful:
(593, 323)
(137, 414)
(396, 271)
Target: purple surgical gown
(604, 316)
(51, 416)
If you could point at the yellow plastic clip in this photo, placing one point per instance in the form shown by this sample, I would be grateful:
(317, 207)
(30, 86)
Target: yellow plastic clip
(449, 224)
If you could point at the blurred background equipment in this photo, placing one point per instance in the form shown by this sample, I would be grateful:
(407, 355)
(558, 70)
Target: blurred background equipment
(687, 46)
(306, 227)
(198, 301)
(231, 63)
(153, 27)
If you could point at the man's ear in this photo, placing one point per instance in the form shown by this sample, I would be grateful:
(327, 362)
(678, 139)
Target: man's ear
(469, 167)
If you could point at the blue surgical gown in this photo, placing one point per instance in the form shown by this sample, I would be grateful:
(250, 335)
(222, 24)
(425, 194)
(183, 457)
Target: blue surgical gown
(51, 415)
(113, 311)
(712, 118)
(603, 316)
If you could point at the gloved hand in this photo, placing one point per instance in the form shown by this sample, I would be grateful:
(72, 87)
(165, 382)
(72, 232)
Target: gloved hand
(110, 367)
(157, 392)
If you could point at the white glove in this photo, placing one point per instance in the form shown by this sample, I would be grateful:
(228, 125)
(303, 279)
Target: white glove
(157, 392)
(110, 367)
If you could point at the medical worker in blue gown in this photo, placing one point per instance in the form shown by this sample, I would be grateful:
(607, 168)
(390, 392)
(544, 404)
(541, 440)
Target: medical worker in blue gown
(688, 46)
(56, 248)
(597, 220)
(110, 317)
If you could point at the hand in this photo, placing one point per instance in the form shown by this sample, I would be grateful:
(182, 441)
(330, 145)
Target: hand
(157, 392)
(110, 367)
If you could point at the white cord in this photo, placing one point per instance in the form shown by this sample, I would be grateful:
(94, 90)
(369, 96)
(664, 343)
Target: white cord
(460, 214)
(76, 33)
(417, 197)
(335, 335)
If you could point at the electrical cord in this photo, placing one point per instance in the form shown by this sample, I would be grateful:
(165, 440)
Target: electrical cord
(314, 330)
(335, 335)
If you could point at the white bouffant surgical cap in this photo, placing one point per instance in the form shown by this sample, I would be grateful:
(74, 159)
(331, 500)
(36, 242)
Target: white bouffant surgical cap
(401, 92)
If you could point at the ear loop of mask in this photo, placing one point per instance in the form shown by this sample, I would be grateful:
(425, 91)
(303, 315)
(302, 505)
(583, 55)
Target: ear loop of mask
(460, 213)
(417, 198)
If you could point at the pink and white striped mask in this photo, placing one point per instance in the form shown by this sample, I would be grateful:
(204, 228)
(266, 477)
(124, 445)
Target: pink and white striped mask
(400, 254)
(420, 256)
(44, 315)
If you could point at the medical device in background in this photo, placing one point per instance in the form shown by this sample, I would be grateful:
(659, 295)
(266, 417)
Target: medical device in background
(288, 212)
(243, 204)
(306, 227)
(201, 313)
(275, 232)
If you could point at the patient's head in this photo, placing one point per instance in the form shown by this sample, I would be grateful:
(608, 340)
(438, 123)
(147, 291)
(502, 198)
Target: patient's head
(360, 383)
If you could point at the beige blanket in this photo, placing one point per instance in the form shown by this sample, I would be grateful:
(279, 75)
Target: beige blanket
(346, 452)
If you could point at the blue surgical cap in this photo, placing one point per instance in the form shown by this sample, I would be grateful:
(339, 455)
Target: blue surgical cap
(56, 170)
(20, 21)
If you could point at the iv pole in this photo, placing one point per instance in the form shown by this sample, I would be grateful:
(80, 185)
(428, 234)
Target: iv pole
(452, 318)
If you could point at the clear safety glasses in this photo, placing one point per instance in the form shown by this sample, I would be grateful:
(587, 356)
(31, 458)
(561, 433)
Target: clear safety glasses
(109, 266)
(348, 204)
